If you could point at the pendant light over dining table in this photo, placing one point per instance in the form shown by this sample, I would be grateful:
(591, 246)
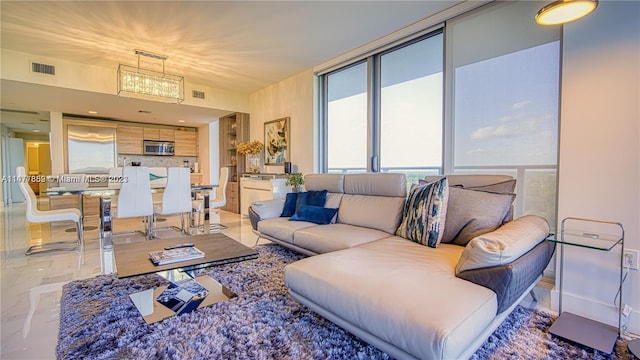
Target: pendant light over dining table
(564, 11)
(150, 84)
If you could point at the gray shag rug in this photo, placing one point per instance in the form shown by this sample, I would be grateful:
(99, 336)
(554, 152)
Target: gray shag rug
(99, 321)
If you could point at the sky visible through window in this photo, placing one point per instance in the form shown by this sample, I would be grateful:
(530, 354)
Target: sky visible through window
(506, 113)
(506, 109)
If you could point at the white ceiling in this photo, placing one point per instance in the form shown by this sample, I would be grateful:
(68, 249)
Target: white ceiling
(239, 46)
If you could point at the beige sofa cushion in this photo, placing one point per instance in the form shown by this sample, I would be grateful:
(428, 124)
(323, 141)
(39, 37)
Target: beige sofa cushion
(326, 238)
(505, 244)
(378, 184)
(333, 183)
(425, 310)
(281, 228)
(375, 212)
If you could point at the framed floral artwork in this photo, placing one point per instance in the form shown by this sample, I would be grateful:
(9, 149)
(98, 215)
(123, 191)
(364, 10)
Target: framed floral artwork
(276, 141)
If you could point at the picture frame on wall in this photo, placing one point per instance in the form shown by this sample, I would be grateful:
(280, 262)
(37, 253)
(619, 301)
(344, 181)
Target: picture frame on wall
(276, 141)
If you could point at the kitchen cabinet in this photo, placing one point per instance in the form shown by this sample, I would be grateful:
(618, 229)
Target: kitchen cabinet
(186, 143)
(196, 178)
(159, 134)
(129, 139)
(166, 135)
(151, 134)
(261, 187)
(233, 198)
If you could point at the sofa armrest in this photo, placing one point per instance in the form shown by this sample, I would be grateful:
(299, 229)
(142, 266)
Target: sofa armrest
(511, 280)
(267, 209)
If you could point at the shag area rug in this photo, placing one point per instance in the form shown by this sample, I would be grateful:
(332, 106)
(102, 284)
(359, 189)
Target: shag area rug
(99, 321)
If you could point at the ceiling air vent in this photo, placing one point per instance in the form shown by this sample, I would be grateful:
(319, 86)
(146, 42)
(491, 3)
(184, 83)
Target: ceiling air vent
(43, 68)
(197, 94)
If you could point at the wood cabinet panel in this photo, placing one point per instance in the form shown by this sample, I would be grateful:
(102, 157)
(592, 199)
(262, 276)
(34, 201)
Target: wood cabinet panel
(151, 134)
(233, 129)
(233, 198)
(186, 143)
(196, 178)
(159, 134)
(63, 202)
(129, 139)
(166, 135)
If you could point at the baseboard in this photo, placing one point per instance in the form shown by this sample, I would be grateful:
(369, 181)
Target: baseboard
(603, 312)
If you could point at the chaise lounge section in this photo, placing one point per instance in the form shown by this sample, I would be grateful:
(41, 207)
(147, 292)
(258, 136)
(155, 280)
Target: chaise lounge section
(409, 300)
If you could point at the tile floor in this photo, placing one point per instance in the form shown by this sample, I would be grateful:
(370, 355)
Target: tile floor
(31, 286)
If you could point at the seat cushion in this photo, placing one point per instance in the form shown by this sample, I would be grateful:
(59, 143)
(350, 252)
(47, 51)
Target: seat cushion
(281, 228)
(425, 310)
(332, 237)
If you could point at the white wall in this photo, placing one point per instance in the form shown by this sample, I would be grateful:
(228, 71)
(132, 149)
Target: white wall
(292, 97)
(56, 129)
(599, 165)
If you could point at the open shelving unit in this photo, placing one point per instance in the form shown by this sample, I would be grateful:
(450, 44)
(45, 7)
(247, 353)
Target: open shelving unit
(233, 129)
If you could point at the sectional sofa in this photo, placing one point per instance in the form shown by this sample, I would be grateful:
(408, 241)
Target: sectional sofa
(411, 300)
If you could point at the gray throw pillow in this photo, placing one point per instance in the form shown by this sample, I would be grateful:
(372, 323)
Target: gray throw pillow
(472, 212)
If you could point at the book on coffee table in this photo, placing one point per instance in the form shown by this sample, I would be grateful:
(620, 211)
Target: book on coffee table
(183, 297)
(164, 257)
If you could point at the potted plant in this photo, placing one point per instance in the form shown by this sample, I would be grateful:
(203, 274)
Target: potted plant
(295, 180)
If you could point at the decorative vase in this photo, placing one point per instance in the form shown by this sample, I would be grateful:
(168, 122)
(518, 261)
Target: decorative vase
(253, 163)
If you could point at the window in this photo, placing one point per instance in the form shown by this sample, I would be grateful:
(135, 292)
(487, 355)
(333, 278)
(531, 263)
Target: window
(504, 76)
(411, 80)
(347, 119)
(480, 96)
(399, 129)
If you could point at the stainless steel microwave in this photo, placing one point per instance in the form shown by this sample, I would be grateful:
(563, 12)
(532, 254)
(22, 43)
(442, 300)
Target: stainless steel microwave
(165, 148)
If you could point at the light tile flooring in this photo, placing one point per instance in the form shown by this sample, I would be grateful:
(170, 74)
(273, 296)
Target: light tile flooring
(31, 286)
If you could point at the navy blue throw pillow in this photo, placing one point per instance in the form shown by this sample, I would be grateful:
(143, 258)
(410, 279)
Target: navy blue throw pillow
(314, 214)
(289, 204)
(313, 198)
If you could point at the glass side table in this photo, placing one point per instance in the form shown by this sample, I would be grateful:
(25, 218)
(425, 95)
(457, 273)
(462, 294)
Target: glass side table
(573, 327)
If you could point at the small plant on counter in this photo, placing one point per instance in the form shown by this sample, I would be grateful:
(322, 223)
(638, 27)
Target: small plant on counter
(295, 180)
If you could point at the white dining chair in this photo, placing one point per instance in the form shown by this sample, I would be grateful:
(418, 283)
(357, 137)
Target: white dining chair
(134, 198)
(176, 198)
(219, 201)
(41, 216)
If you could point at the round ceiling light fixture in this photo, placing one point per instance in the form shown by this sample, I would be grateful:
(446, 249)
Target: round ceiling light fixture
(564, 11)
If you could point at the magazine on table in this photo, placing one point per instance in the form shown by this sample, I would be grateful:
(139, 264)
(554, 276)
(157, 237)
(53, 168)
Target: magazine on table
(164, 257)
(183, 297)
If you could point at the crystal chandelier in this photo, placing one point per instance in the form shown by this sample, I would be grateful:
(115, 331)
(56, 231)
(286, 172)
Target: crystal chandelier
(149, 84)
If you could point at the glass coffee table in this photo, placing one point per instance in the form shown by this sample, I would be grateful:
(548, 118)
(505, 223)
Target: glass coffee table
(132, 259)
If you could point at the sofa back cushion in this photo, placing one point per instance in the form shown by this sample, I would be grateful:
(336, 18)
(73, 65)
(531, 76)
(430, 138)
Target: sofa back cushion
(376, 184)
(472, 180)
(333, 183)
(375, 212)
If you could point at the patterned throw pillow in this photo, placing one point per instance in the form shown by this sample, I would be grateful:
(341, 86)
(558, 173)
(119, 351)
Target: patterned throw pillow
(423, 217)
